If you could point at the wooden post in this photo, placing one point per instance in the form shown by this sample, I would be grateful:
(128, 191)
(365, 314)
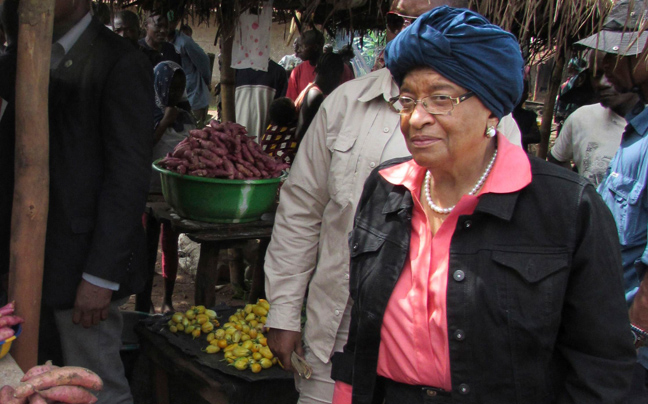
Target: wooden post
(227, 74)
(31, 192)
(550, 101)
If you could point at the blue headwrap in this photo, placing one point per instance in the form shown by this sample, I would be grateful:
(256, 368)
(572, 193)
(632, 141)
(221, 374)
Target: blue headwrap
(465, 48)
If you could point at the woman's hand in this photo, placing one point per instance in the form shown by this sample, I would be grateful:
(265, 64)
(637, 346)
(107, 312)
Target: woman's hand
(169, 118)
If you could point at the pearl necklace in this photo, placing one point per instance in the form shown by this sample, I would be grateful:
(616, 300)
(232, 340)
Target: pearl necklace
(473, 191)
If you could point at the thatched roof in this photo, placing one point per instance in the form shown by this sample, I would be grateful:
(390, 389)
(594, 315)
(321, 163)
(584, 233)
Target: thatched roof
(540, 25)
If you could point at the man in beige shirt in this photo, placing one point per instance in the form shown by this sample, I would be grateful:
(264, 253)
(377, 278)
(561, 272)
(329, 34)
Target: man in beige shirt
(353, 132)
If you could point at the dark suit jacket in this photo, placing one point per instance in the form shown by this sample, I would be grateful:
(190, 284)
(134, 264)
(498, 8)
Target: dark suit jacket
(101, 138)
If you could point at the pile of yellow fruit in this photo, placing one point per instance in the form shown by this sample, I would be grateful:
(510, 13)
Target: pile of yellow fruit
(242, 341)
(195, 321)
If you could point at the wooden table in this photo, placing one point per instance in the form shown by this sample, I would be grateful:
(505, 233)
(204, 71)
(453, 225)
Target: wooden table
(212, 238)
(170, 366)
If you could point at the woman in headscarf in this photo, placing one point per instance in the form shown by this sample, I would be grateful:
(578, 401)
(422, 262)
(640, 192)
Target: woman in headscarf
(477, 274)
(173, 121)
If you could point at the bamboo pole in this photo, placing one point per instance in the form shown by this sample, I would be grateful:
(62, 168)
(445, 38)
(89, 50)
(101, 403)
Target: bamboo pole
(31, 192)
(550, 101)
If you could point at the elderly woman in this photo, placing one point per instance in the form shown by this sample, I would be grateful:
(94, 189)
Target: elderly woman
(478, 275)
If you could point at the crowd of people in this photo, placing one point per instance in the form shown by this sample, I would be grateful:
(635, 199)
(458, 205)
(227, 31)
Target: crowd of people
(437, 261)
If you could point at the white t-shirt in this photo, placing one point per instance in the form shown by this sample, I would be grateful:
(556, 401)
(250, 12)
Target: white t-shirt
(590, 136)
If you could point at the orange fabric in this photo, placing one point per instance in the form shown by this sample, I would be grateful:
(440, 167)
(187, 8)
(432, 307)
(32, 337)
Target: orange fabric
(414, 335)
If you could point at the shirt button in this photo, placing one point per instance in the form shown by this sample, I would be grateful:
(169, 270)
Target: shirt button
(337, 312)
(372, 164)
(386, 129)
(431, 393)
(355, 247)
(615, 48)
(468, 224)
(460, 335)
(458, 275)
(346, 276)
(464, 388)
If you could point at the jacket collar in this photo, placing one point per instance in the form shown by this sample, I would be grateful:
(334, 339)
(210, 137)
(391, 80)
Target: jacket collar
(385, 87)
(511, 173)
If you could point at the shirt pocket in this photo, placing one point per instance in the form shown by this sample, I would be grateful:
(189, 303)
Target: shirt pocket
(342, 170)
(628, 213)
(531, 287)
(364, 247)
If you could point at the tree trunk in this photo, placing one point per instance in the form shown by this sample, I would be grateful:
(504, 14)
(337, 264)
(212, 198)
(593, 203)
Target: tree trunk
(550, 101)
(227, 74)
(31, 192)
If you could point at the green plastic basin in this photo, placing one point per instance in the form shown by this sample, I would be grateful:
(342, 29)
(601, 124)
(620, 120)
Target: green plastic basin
(218, 200)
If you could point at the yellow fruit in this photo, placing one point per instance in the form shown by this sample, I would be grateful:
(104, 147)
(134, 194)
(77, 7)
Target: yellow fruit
(263, 341)
(236, 337)
(200, 309)
(257, 356)
(222, 343)
(240, 351)
(246, 329)
(266, 352)
(211, 314)
(189, 329)
(265, 363)
(259, 311)
(184, 322)
(263, 320)
(196, 333)
(245, 337)
(211, 349)
(173, 329)
(207, 327)
(177, 317)
(230, 331)
(220, 333)
(255, 368)
(210, 337)
(247, 344)
(241, 363)
(250, 317)
(202, 319)
(233, 318)
(253, 333)
(248, 308)
(256, 347)
(190, 314)
(180, 327)
(264, 303)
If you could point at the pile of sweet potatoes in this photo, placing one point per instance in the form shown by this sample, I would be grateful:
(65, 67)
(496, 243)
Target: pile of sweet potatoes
(222, 150)
(52, 384)
(7, 321)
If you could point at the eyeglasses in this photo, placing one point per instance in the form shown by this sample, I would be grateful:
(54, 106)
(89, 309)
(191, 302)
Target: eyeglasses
(396, 22)
(433, 104)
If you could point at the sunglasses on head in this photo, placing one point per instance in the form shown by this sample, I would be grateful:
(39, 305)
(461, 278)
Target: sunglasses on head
(396, 22)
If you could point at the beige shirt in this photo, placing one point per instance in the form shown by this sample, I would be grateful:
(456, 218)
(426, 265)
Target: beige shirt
(347, 139)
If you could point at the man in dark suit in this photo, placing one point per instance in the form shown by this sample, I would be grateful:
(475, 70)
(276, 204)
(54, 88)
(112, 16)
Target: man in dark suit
(101, 137)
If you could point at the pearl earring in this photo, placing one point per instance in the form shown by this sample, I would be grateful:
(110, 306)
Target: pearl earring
(491, 132)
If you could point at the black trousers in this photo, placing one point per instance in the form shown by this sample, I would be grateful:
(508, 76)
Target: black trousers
(400, 393)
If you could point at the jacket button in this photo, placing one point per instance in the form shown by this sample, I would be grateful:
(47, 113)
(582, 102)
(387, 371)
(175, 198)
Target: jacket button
(464, 388)
(467, 224)
(459, 335)
(459, 275)
(355, 247)
(346, 277)
(337, 312)
(431, 393)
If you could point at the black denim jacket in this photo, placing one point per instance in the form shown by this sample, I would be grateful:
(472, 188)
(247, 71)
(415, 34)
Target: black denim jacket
(535, 304)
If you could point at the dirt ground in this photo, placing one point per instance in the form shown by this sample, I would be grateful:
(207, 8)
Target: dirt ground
(183, 293)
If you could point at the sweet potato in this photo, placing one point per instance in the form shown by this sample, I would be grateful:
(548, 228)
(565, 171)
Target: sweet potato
(37, 370)
(6, 332)
(69, 394)
(37, 399)
(8, 321)
(7, 309)
(198, 133)
(68, 375)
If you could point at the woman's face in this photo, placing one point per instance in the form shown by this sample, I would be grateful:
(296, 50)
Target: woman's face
(443, 141)
(177, 88)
